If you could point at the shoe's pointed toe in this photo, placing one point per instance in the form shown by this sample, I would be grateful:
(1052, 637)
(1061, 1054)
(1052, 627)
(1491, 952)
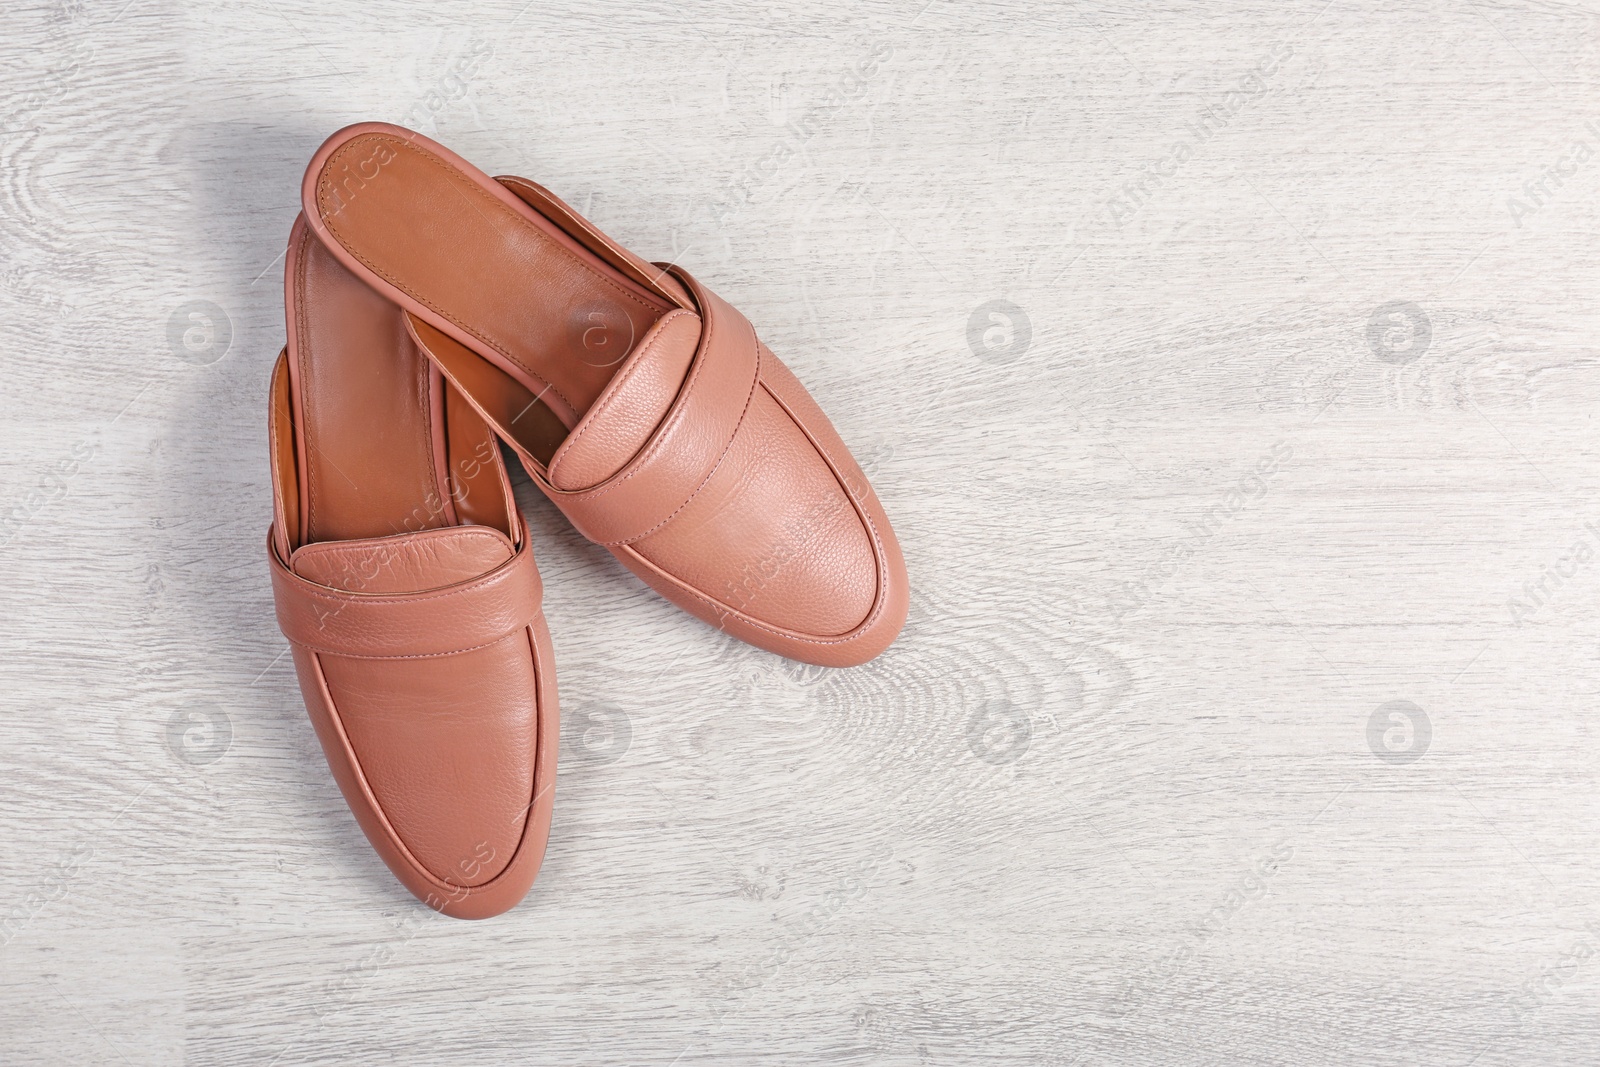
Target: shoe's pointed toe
(430, 686)
(786, 544)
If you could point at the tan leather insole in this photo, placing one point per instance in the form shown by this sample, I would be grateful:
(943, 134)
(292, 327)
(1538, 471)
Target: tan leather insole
(555, 314)
(369, 408)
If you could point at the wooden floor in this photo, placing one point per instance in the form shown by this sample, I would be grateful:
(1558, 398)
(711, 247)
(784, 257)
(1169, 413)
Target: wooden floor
(1228, 368)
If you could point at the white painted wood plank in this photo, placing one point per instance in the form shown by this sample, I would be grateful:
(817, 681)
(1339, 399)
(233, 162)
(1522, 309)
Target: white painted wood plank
(1113, 798)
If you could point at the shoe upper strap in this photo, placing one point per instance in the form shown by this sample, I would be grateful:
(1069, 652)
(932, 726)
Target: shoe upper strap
(679, 456)
(433, 622)
(691, 440)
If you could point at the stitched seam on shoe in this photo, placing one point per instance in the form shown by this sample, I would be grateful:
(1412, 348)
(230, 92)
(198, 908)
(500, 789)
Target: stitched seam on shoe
(676, 418)
(880, 555)
(451, 174)
(304, 332)
(416, 655)
(272, 443)
(369, 791)
(723, 455)
(619, 382)
(389, 598)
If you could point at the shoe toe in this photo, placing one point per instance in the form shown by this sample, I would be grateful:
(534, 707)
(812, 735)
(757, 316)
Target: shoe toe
(450, 767)
(427, 670)
(786, 537)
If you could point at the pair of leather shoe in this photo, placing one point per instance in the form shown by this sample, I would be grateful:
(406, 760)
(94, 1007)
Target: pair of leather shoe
(433, 313)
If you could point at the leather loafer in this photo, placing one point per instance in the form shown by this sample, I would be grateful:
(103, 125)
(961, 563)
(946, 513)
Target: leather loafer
(405, 582)
(641, 403)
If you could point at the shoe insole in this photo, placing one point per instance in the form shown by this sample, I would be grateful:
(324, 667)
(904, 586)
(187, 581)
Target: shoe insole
(530, 297)
(369, 407)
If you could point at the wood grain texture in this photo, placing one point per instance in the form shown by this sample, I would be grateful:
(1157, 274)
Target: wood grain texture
(1117, 796)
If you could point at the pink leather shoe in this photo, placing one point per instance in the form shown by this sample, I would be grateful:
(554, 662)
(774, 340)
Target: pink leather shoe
(642, 404)
(406, 586)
